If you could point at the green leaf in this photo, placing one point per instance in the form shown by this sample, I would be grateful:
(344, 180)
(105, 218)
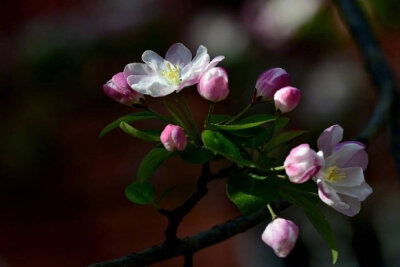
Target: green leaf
(249, 122)
(283, 138)
(145, 115)
(218, 143)
(280, 123)
(140, 193)
(308, 203)
(250, 195)
(196, 155)
(151, 162)
(146, 135)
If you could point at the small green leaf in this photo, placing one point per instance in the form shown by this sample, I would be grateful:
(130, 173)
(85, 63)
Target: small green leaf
(151, 162)
(140, 193)
(146, 135)
(249, 122)
(218, 143)
(196, 155)
(280, 123)
(283, 138)
(250, 195)
(145, 115)
(308, 203)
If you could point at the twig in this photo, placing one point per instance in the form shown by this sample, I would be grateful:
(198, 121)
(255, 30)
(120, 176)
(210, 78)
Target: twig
(193, 243)
(176, 215)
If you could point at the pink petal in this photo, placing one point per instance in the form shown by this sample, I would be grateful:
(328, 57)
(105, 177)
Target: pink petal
(329, 138)
(349, 155)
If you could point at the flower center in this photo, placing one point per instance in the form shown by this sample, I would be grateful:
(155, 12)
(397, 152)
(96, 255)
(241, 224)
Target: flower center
(171, 73)
(333, 175)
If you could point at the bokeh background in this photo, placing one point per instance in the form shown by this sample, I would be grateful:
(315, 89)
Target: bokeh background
(62, 197)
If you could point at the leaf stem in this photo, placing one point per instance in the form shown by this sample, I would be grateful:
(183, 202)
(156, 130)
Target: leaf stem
(161, 117)
(210, 111)
(273, 215)
(280, 168)
(240, 114)
(189, 111)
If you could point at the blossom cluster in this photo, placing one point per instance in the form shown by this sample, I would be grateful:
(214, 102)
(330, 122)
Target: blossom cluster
(336, 168)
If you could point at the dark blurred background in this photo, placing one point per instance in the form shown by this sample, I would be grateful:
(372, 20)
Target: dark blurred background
(62, 189)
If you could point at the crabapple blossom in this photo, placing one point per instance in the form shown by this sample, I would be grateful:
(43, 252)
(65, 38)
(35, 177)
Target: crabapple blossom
(269, 82)
(118, 89)
(302, 163)
(287, 98)
(213, 85)
(281, 236)
(341, 182)
(159, 77)
(173, 138)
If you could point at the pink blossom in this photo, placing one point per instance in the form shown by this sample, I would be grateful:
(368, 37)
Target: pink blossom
(269, 82)
(173, 138)
(213, 85)
(341, 182)
(302, 163)
(118, 89)
(287, 98)
(281, 236)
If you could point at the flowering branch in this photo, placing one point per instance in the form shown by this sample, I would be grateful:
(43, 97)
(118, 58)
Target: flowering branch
(340, 182)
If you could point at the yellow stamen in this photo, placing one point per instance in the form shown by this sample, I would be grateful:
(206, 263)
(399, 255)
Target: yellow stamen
(333, 175)
(172, 73)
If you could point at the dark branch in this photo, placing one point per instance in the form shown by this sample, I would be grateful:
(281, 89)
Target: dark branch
(176, 215)
(193, 243)
(386, 111)
(376, 65)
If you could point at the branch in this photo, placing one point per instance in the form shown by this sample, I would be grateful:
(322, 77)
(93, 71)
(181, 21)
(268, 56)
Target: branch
(386, 110)
(193, 243)
(176, 215)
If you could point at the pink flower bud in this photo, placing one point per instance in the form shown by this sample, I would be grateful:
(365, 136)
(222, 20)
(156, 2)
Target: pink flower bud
(118, 89)
(287, 98)
(302, 163)
(213, 85)
(281, 236)
(269, 82)
(173, 138)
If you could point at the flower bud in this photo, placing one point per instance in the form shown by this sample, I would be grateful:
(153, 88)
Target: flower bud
(281, 236)
(213, 85)
(302, 163)
(269, 82)
(287, 98)
(118, 89)
(173, 138)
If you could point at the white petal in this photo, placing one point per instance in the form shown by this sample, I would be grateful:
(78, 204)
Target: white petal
(153, 85)
(327, 194)
(343, 157)
(178, 54)
(137, 69)
(360, 192)
(152, 59)
(354, 206)
(214, 62)
(329, 138)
